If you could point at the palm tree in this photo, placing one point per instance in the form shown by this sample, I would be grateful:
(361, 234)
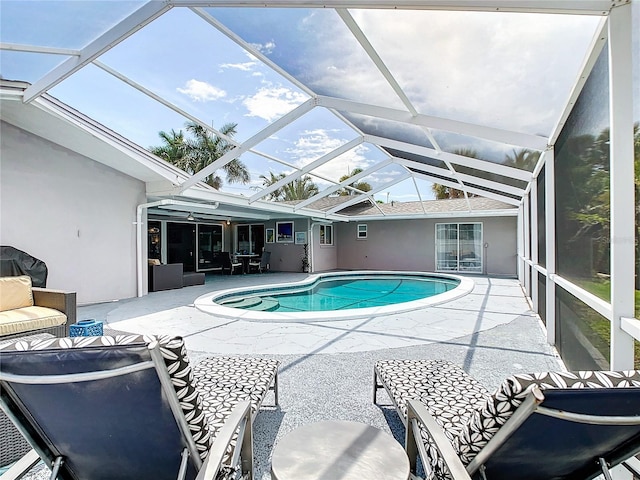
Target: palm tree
(173, 147)
(203, 148)
(270, 180)
(300, 189)
(364, 186)
(524, 159)
(443, 192)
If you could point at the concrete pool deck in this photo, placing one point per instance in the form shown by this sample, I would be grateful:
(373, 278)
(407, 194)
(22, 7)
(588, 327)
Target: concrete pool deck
(326, 368)
(491, 302)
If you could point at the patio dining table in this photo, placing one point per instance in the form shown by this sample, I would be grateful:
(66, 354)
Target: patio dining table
(245, 258)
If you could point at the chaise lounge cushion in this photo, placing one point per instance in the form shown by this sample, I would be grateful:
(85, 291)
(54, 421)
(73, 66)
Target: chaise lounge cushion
(227, 381)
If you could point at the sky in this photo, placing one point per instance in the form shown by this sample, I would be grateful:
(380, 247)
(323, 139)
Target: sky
(506, 70)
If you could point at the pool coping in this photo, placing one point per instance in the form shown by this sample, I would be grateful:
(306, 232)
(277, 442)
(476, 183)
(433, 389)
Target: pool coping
(206, 303)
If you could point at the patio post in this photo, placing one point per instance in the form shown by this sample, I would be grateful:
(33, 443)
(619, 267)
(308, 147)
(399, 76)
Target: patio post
(550, 247)
(621, 184)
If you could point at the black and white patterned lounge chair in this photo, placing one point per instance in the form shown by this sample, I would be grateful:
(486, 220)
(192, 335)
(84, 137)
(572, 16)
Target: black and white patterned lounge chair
(535, 426)
(132, 407)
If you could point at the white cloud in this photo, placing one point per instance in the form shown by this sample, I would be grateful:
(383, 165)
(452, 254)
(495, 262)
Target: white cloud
(507, 70)
(313, 144)
(202, 91)
(245, 66)
(270, 103)
(265, 48)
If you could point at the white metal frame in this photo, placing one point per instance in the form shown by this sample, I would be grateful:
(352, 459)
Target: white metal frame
(615, 28)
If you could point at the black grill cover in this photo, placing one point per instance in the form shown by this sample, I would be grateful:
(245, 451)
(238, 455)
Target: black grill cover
(14, 262)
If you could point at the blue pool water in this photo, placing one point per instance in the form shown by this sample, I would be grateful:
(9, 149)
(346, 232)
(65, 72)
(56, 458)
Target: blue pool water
(328, 294)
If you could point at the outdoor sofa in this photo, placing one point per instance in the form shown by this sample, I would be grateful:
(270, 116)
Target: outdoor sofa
(532, 427)
(26, 310)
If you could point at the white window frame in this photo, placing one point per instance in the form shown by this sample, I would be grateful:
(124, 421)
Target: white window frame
(461, 265)
(323, 235)
(359, 231)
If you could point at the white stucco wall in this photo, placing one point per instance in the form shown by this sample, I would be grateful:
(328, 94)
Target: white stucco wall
(325, 257)
(73, 213)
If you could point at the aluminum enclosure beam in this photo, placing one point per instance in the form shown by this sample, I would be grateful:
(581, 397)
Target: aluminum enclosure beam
(525, 140)
(622, 185)
(266, 132)
(373, 55)
(120, 31)
(453, 158)
(307, 168)
(16, 47)
(462, 177)
(576, 7)
(343, 184)
(364, 197)
(511, 201)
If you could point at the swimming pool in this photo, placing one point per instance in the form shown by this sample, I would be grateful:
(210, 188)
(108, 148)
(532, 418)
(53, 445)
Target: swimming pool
(336, 296)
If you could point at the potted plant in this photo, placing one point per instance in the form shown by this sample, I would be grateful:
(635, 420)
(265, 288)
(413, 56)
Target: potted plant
(305, 258)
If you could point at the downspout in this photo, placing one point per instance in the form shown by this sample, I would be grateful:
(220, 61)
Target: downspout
(139, 234)
(310, 242)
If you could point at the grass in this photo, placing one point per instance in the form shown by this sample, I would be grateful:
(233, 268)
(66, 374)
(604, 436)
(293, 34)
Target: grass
(602, 289)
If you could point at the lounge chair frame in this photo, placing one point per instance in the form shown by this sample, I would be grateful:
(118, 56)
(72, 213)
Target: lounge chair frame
(240, 420)
(417, 413)
(601, 407)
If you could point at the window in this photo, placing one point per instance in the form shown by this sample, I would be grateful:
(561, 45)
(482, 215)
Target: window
(459, 247)
(326, 235)
(284, 232)
(362, 230)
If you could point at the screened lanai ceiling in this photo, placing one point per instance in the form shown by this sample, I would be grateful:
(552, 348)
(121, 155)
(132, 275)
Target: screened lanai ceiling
(399, 95)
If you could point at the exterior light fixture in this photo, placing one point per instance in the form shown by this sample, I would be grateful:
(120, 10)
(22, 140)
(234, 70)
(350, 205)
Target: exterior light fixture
(191, 218)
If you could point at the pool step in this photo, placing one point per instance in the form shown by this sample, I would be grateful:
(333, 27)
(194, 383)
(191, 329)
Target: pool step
(259, 304)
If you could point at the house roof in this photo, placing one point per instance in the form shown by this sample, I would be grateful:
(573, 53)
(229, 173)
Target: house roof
(455, 92)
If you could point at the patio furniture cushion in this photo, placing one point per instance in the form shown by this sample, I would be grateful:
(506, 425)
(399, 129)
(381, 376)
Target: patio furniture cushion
(442, 386)
(15, 292)
(26, 319)
(226, 381)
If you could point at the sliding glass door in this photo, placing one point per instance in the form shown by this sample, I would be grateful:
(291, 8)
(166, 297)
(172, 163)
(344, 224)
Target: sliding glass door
(459, 247)
(250, 238)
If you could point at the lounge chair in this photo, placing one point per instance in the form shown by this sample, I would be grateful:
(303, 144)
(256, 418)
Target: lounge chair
(131, 407)
(261, 265)
(535, 426)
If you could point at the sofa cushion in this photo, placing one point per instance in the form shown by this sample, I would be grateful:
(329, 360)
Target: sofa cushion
(15, 292)
(27, 319)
